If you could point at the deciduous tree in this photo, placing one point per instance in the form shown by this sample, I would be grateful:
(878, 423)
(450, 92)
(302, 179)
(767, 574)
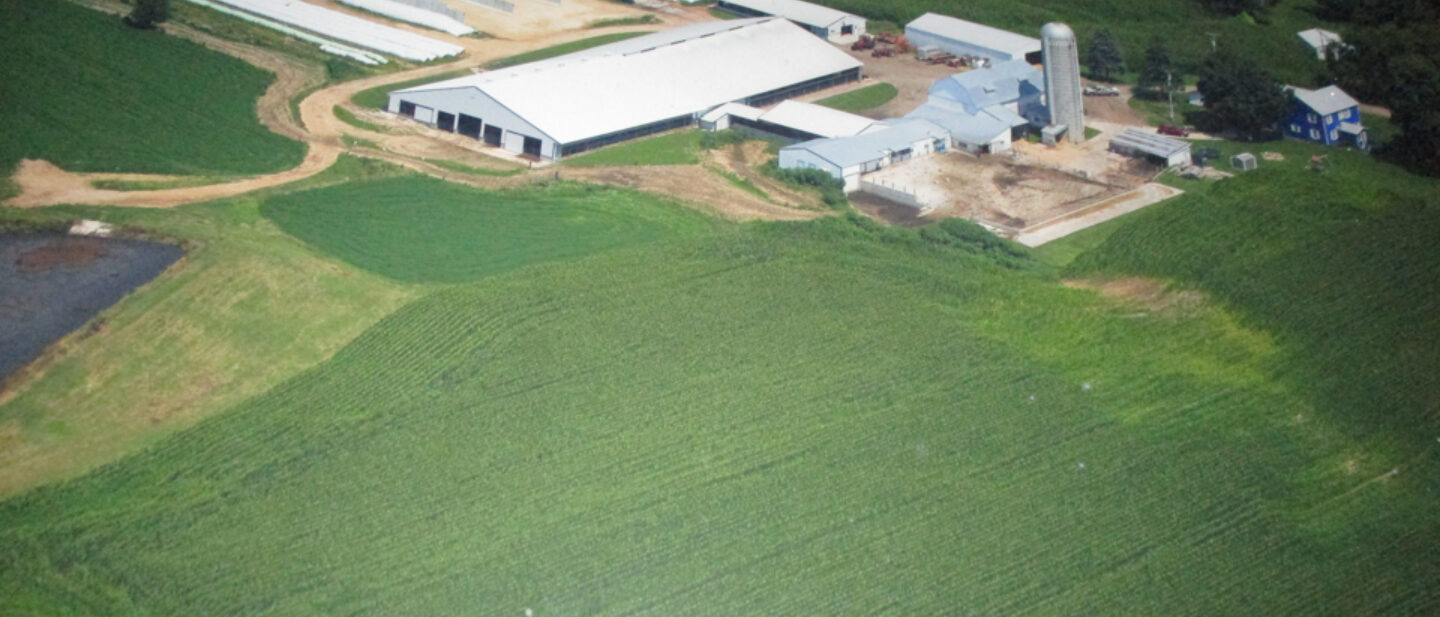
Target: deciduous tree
(148, 13)
(1241, 97)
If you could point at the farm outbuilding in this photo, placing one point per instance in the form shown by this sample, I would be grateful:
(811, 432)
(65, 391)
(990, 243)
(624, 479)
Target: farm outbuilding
(1166, 151)
(1243, 161)
(846, 158)
(562, 106)
(789, 120)
(984, 109)
(967, 38)
(1321, 41)
(822, 21)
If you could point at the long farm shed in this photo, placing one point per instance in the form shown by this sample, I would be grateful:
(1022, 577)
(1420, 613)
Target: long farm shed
(822, 21)
(566, 105)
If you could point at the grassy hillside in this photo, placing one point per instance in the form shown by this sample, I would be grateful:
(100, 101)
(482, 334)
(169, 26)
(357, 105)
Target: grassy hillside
(800, 418)
(246, 308)
(422, 229)
(1183, 24)
(89, 94)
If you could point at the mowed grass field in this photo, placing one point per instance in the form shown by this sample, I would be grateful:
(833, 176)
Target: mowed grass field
(1184, 25)
(824, 417)
(426, 230)
(89, 94)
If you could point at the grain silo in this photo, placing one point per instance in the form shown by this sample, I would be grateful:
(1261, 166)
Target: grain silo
(1062, 80)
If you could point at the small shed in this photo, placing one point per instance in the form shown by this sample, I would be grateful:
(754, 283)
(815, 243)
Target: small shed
(1244, 162)
(1321, 41)
(1168, 151)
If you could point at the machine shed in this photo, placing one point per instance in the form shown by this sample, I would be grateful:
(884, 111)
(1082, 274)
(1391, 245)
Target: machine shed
(1169, 151)
(830, 24)
(960, 37)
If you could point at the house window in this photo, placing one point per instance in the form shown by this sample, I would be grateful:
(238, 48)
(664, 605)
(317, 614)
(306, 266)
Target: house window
(1312, 118)
(1334, 135)
(1315, 134)
(1295, 128)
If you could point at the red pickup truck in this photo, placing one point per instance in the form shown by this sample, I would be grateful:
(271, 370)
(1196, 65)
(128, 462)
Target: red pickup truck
(1178, 131)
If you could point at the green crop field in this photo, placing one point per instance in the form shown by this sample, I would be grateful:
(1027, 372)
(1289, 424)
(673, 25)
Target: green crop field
(1183, 24)
(823, 417)
(89, 94)
(674, 148)
(422, 229)
(856, 101)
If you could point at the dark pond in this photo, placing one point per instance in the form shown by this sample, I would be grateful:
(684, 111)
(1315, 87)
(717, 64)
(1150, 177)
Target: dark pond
(51, 284)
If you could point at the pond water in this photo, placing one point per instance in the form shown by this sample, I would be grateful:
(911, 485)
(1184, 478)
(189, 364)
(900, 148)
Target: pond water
(51, 284)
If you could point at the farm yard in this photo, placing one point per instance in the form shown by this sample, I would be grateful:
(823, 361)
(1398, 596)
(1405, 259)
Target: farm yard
(411, 381)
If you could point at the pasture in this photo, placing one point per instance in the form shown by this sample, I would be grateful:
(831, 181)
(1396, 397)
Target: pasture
(862, 99)
(420, 229)
(681, 147)
(1183, 24)
(89, 94)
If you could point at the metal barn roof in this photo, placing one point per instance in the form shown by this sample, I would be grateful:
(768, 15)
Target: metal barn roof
(1325, 101)
(1016, 45)
(796, 10)
(1318, 38)
(848, 151)
(1003, 83)
(672, 74)
(817, 119)
(1150, 143)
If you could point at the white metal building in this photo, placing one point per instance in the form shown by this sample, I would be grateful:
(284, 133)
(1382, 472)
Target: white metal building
(847, 158)
(1167, 151)
(578, 102)
(1320, 40)
(830, 24)
(960, 37)
(790, 119)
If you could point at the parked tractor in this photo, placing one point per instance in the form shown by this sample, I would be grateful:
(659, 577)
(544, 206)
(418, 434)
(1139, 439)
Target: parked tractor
(865, 42)
(883, 51)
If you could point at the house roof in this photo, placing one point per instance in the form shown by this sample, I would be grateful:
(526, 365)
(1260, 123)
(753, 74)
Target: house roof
(656, 77)
(796, 10)
(847, 151)
(1324, 101)
(817, 119)
(1318, 38)
(1016, 45)
(1150, 143)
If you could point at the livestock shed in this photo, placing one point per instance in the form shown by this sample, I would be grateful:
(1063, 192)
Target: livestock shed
(1167, 151)
(822, 21)
(847, 158)
(790, 120)
(573, 103)
(967, 38)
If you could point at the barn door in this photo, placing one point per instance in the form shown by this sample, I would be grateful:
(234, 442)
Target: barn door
(445, 121)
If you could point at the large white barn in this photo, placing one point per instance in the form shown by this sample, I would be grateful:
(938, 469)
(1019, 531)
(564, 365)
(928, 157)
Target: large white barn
(830, 24)
(967, 38)
(558, 107)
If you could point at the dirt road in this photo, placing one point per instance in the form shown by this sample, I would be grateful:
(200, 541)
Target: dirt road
(42, 183)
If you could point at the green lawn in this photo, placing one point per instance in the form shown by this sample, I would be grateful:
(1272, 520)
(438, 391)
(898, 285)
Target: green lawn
(1183, 24)
(680, 147)
(561, 49)
(856, 101)
(89, 94)
(425, 230)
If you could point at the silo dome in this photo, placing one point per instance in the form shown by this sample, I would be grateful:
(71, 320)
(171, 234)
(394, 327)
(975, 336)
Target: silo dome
(1057, 31)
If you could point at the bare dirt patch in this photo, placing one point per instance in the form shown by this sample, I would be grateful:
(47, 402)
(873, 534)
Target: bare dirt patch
(993, 189)
(1148, 294)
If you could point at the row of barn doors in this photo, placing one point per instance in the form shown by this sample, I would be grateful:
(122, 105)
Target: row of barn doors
(473, 127)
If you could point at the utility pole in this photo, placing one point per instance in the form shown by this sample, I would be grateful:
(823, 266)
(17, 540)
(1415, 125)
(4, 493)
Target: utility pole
(1170, 92)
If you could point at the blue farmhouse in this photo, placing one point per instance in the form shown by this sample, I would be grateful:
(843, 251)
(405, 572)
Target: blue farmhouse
(1327, 116)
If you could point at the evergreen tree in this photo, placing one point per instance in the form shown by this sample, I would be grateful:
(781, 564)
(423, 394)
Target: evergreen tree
(1241, 97)
(148, 13)
(1104, 58)
(1156, 72)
